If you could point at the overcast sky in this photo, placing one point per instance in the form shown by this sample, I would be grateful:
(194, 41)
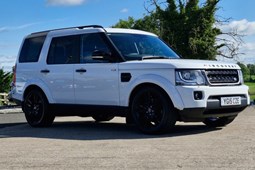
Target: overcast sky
(21, 17)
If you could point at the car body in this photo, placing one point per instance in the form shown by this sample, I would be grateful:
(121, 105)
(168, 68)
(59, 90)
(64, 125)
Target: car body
(107, 72)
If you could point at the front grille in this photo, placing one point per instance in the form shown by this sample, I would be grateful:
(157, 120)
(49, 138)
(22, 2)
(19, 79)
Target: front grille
(222, 77)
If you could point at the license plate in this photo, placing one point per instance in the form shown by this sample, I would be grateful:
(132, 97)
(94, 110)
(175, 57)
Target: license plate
(230, 101)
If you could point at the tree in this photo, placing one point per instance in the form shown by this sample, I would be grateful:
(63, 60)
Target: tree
(129, 23)
(188, 27)
(148, 23)
(5, 80)
(251, 68)
(245, 70)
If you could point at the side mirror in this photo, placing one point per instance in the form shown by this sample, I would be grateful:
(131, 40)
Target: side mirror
(101, 55)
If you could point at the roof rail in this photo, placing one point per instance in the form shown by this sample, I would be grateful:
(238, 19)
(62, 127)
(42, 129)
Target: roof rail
(89, 26)
(79, 27)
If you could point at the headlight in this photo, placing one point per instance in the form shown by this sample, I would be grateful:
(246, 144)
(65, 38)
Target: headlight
(189, 77)
(241, 76)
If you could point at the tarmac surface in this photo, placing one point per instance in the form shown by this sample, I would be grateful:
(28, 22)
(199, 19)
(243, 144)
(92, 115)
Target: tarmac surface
(80, 143)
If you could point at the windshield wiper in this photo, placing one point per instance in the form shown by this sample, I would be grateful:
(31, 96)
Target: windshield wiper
(154, 57)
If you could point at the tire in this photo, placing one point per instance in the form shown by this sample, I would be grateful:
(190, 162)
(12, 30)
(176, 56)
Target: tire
(219, 121)
(36, 109)
(102, 117)
(153, 111)
(129, 120)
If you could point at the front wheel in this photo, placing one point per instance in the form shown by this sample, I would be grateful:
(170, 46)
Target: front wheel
(218, 121)
(153, 111)
(36, 110)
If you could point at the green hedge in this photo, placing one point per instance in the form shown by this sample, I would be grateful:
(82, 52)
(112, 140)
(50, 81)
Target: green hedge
(251, 89)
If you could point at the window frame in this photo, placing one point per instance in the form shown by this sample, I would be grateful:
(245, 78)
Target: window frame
(115, 55)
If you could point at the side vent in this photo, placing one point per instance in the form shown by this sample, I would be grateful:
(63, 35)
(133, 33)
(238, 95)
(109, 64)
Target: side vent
(125, 77)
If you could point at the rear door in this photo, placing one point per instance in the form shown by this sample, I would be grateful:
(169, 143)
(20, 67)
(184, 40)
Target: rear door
(58, 70)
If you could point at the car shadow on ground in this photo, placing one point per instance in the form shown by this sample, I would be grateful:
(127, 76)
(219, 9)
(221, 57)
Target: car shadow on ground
(90, 130)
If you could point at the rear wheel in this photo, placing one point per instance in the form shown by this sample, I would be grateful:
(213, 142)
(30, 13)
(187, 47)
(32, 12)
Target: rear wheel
(218, 121)
(36, 109)
(152, 111)
(102, 117)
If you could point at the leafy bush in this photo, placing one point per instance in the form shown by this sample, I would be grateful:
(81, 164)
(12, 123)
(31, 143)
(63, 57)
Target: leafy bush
(251, 89)
(5, 81)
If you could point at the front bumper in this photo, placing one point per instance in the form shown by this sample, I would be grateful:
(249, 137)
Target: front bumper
(210, 104)
(213, 110)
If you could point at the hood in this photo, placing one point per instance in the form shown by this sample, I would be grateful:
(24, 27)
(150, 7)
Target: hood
(178, 63)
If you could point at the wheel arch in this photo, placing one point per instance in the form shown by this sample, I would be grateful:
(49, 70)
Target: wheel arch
(158, 82)
(34, 86)
(144, 85)
(30, 88)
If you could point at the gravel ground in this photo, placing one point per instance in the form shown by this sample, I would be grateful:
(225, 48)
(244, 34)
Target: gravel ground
(80, 143)
(10, 110)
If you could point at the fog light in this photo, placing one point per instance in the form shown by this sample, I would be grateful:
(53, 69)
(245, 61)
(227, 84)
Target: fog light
(198, 95)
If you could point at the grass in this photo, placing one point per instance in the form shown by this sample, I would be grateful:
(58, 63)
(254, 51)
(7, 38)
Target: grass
(251, 89)
(247, 78)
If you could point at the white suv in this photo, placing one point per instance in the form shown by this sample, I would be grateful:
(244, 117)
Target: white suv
(107, 72)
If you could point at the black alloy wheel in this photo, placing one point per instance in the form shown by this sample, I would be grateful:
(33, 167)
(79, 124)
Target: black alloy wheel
(153, 111)
(218, 121)
(36, 110)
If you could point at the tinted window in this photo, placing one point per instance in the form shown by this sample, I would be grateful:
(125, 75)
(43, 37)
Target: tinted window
(138, 46)
(64, 50)
(31, 49)
(91, 43)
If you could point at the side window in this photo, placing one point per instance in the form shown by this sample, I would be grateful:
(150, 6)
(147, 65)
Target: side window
(92, 44)
(31, 49)
(64, 50)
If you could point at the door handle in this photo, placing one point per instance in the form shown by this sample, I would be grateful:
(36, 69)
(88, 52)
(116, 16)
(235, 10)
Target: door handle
(81, 70)
(45, 71)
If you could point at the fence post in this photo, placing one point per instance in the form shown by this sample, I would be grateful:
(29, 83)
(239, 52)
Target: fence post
(4, 99)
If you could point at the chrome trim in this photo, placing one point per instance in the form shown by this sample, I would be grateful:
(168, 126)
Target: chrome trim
(222, 83)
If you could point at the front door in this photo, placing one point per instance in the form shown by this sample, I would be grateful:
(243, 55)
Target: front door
(97, 84)
(95, 78)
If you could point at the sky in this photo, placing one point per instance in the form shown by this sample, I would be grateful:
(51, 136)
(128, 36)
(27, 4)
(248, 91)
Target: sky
(19, 18)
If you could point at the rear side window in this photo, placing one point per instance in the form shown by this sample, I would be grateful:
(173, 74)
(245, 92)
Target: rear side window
(64, 50)
(31, 49)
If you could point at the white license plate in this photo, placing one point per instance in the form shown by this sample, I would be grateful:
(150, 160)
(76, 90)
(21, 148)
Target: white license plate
(230, 101)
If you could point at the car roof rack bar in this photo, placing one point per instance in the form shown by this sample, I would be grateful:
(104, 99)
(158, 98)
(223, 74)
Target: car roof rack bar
(79, 27)
(89, 26)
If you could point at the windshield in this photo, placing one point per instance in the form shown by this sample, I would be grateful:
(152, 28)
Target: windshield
(139, 46)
